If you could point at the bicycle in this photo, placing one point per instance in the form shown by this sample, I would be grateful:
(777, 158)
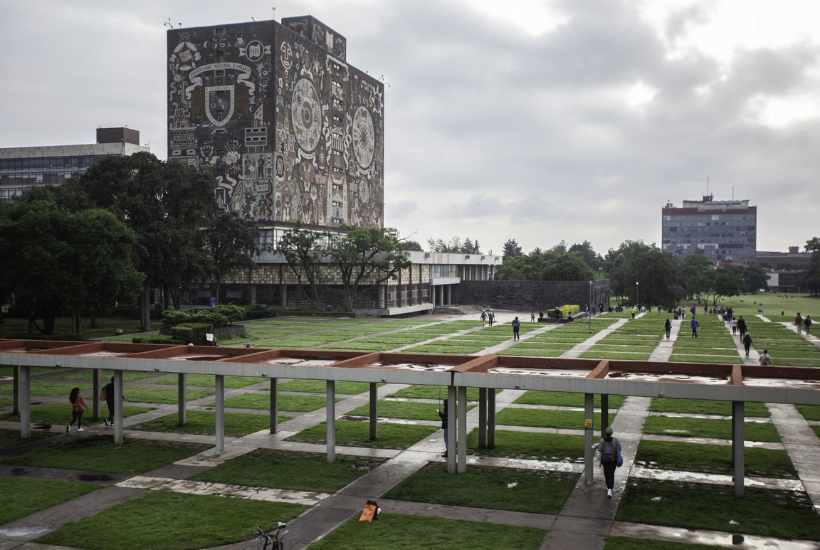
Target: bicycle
(272, 540)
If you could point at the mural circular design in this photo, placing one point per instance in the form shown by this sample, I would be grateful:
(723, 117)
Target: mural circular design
(364, 140)
(306, 115)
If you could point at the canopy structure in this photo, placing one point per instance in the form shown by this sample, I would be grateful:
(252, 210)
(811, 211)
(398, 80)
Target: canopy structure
(723, 382)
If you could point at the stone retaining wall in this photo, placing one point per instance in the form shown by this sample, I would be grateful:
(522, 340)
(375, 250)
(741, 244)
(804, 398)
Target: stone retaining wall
(531, 295)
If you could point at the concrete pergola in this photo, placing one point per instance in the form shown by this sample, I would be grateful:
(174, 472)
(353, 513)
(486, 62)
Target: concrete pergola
(736, 383)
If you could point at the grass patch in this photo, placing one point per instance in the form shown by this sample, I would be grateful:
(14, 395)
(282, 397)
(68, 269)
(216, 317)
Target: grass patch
(105, 375)
(627, 543)
(718, 429)
(534, 446)
(10, 438)
(50, 389)
(531, 352)
(536, 491)
(173, 521)
(6, 402)
(204, 423)
(99, 454)
(432, 392)
(402, 409)
(24, 496)
(290, 470)
(703, 406)
(615, 355)
(209, 381)
(295, 403)
(809, 412)
(713, 459)
(60, 413)
(357, 434)
(167, 396)
(319, 386)
(397, 531)
(33, 371)
(572, 420)
(766, 512)
(561, 399)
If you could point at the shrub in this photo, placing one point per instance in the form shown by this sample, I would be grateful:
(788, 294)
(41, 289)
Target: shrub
(231, 312)
(173, 317)
(158, 340)
(563, 311)
(195, 333)
(185, 334)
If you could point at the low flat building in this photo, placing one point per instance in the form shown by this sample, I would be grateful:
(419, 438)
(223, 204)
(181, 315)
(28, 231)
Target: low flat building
(22, 168)
(775, 258)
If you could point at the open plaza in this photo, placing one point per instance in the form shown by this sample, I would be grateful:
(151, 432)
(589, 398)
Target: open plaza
(251, 450)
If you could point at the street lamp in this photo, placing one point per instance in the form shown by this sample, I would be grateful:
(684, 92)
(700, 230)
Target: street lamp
(589, 308)
(637, 300)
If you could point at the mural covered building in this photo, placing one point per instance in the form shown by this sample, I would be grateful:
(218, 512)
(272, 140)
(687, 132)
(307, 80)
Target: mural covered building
(290, 132)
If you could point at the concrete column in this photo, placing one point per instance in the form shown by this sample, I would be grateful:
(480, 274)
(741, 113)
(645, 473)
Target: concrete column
(24, 393)
(449, 295)
(604, 413)
(491, 418)
(737, 445)
(182, 399)
(220, 413)
(118, 435)
(274, 405)
(482, 418)
(589, 409)
(462, 429)
(95, 383)
(15, 410)
(452, 429)
(374, 411)
(331, 421)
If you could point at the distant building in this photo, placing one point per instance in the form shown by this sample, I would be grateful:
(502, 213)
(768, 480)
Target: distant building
(786, 281)
(775, 258)
(24, 167)
(720, 230)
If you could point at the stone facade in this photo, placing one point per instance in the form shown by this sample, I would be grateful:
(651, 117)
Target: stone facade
(531, 295)
(289, 131)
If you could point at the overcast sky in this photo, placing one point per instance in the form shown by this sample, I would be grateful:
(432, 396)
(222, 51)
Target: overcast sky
(537, 120)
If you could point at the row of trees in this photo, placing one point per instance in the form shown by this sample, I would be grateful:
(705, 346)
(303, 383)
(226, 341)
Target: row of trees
(129, 224)
(811, 280)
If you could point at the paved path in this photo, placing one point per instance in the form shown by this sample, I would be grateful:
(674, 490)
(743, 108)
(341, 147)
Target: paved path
(664, 349)
(577, 350)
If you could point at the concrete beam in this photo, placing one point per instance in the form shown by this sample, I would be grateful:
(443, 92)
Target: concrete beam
(118, 431)
(15, 410)
(589, 410)
(220, 414)
(182, 399)
(462, 430)
(331, 421)
(95, 385)
(482, 418)
(274, 405)
(24, 392)
(604, 413)
(374, 411)
(737, 446)
(452, 430)
(491, 419)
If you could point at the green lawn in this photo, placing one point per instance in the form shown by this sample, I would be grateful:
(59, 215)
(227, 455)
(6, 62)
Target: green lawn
(402, 409)
(516, 351)
(295, 403)
(10, 438)
(720, 429)
(319, 386)
(173, 521)
(33, 371)
(536, 446)
(702, 406)
(536, 491)
(713, 459)
(809, 412)
(766, 512)
(357, 434)
(573, 420)
(209, 381)
(50, 389)
(26, 496)
(99, 454)
(627, 543)
(432, 392)
(6, 402)
(166, 396)
(203, 423)
(561, 399)
(290, 470)
(431, 533)
(105, 375)
(59, 413)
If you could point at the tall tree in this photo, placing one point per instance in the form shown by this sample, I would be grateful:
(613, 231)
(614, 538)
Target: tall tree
(232, 244)
(304, 251)
(511, 249)
(452, 246)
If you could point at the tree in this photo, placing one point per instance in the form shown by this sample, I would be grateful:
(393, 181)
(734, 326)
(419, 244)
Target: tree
(165, 203)
(754, 278)
(654, 270)
(470, 247)
(592, 259)
(511, 249)
(453, 246)
(365, 257)
(304, 251)
(412, 246)
(787, 265)
(546, 266)
(232, 244)
(811, 280)
(560, 248)
(726, 284)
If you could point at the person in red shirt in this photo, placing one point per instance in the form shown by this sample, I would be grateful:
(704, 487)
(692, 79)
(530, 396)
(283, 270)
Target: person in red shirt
(77, 406)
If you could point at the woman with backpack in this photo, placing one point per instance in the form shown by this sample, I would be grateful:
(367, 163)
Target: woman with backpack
(77, 406)
(609, 457)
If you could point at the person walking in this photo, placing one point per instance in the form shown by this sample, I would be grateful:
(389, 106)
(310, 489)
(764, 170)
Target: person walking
(532, 317)
(483, 317)
(741, 326)
(516, 325)
(798, 322)
(807, 323)
(747, 343)
(491, 317)
(107, 394)
(668, 328)
(443, 416)
(694, 324)
(733, 324)
(765, 359)
(609, 458)
(77, 406)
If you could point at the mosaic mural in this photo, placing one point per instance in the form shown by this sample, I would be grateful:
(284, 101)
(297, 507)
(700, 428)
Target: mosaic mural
(289, 131)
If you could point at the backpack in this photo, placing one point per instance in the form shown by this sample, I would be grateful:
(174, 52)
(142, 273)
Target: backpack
(609, 452)
(370, 512)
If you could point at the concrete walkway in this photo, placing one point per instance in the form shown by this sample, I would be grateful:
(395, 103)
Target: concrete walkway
(664, 350)
(577, 350)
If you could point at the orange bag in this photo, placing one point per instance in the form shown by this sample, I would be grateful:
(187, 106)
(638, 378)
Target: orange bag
(370, 512)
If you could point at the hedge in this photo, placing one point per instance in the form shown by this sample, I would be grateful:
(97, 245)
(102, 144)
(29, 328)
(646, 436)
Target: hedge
(562, 311)
(218, 316)
(192, 333)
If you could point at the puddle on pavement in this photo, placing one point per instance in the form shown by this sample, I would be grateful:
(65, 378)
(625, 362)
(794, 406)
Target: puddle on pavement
(94, 477)
(19, 471)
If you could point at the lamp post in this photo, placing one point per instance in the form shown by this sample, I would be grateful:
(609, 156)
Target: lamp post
(637, 300)
(589, 308)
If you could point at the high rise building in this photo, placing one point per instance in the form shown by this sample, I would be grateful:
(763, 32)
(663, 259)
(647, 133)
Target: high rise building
(24, 167)
(289, 130)
(721, 230)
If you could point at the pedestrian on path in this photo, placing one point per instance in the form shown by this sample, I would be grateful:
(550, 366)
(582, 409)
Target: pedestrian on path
(491, 317)
(668, 327)
(516, 324)
(694, 324)
(532, 317)
(741, 326)
(798, 322)
(443, 416)
(107, 394)
(733, 324)
(609, 457)
(765, 360)
(633, 312)
(483, 317)
(747, 343)
(77, 406)
(807, 323)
